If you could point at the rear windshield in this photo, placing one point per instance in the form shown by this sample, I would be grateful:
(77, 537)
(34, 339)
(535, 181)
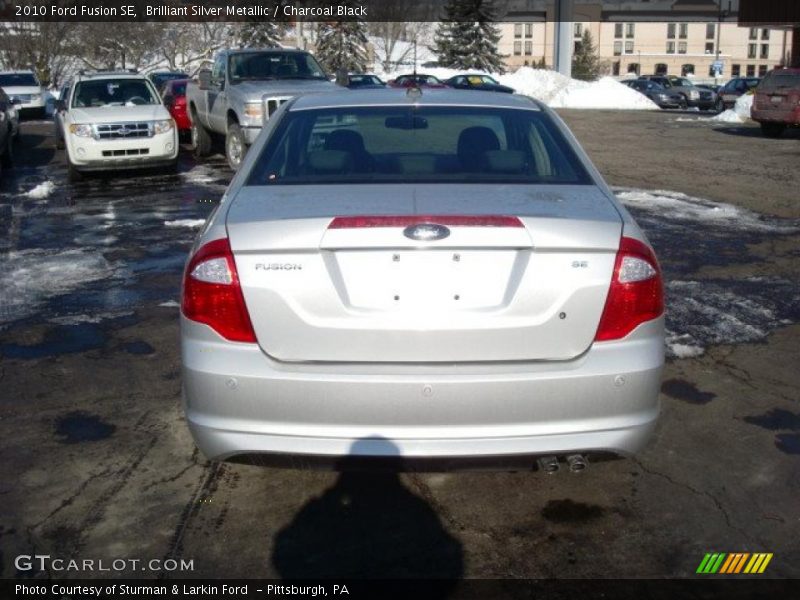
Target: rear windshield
(777, 81)
(406, 144)
(17, 80)
(113, 92)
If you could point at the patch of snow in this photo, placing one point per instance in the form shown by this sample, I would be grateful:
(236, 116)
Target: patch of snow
(185, 223)
(170, 304)
(682, 207)
(728, 116)
(83, 318)
(30, 277)
(41, 191)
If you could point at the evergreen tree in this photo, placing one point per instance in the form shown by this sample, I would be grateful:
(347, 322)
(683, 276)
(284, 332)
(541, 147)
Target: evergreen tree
(585, 64)
(342, 46)
(467, 39)
(257, 33)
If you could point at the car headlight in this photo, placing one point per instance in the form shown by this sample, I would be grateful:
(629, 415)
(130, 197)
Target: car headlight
(36, 97)
(254, 110)
(81, 130)
(694, 95)
(163, 126)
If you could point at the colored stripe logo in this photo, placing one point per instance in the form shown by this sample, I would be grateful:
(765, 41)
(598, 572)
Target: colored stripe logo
(734, 563)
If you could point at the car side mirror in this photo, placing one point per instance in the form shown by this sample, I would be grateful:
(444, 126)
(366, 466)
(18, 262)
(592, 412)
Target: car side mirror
(204, 76)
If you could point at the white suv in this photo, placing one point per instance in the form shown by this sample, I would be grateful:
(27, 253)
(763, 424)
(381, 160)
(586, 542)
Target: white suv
(115, 120)
(25, 86)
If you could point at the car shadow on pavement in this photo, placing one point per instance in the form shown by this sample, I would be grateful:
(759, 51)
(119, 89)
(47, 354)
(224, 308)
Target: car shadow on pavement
(37, 149)
(755, 132)
(369, 525)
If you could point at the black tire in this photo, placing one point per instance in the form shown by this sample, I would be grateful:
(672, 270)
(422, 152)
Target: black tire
(7, 158)
(73, 175)
(719, 106)
(171, 168)
(772, 130)
(201, 139)
(235, 146)
(683, 104)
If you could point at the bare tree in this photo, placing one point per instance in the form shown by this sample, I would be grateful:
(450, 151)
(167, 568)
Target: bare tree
(47, 48)
(394, 40)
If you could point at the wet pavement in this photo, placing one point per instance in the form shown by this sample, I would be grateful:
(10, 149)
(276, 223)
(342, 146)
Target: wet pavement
(96, 445)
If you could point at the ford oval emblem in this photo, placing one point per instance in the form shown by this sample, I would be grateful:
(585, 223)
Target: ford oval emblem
(426, 232)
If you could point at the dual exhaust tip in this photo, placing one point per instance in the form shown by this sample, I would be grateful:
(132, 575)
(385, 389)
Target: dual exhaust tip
(575, 462)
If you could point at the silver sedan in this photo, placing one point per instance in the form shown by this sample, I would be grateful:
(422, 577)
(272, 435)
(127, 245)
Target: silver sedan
(424, 274)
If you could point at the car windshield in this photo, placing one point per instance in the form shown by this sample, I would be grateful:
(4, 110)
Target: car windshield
(780, 81)
(18, 80)
(407, 144)
(274, 65)
(480, 79)
(113, 92)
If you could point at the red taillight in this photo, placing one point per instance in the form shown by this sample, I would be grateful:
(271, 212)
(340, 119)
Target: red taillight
(407, 220)
(636, 294)
(212, 294)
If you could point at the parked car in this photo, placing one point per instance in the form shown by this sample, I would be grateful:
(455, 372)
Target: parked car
(736, 87)
(364, 81)
(657, 93)
(161, 78)
(417, 80)
(243, 90)
(9, 129)
(174, 98)
(476, 81)
(450, 277)
(693, 95)
(113, 121)
(25, 86)
(776, 105)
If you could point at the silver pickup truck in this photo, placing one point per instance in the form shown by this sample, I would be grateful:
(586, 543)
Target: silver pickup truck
(244, 88)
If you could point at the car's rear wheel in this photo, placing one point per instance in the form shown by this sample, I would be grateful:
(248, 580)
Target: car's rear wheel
(235, 146)
(772, 130)
(201, 139)
(7, 157)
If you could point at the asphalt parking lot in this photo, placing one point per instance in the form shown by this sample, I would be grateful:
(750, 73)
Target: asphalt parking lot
(98, 462)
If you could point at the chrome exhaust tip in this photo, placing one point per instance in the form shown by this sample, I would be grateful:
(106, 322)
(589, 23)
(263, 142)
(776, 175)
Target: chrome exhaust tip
(577, 463)
(548, 464)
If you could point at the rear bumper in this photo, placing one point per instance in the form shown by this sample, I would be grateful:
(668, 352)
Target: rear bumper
(787, 117)
(240, 402)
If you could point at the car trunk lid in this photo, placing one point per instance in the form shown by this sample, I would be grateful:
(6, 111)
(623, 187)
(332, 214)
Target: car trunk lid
(522, 275)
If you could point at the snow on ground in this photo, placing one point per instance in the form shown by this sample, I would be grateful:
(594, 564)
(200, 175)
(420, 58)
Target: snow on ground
(185, 223)
(41, 191)
(30, 277)
(740, 113)
(557, 90)
(682, 207)
(170, 304)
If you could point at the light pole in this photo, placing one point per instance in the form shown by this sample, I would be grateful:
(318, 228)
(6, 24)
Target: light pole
(722, 14)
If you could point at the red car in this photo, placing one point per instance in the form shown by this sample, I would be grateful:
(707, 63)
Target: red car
(174, 95)
(417, 80)
(777, 101)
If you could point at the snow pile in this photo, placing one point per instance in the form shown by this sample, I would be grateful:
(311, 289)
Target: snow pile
(739, 113)
(41, 191)
(557, 90)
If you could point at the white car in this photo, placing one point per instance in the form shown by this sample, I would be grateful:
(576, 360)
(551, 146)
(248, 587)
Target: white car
(115, 120)
(25, 86)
